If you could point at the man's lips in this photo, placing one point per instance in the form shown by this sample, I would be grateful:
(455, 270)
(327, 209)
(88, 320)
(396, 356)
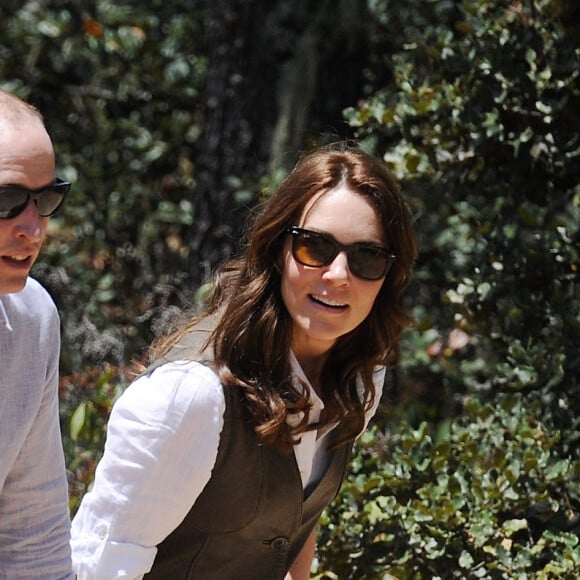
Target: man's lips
(17, 259)
(327, 302)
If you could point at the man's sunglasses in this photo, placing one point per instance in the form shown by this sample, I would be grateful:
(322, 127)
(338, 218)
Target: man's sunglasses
(14, 199)
(316, 249)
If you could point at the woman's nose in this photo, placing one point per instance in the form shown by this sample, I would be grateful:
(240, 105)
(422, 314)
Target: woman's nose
(338, 270)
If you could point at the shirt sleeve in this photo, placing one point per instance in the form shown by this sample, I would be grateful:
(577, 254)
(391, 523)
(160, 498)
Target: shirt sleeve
(162, 442)
(35, 525)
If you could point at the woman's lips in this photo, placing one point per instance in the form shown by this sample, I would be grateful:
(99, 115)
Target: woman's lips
(327, 302)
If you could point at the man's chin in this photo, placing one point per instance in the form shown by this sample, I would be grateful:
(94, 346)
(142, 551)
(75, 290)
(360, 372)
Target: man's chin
(12, 286)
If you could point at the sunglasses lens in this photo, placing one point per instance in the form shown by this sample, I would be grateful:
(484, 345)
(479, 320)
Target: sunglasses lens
(12, 203)
(49, 201)
(316, 249)
(15, 199)
(313, 250)
(369, 263)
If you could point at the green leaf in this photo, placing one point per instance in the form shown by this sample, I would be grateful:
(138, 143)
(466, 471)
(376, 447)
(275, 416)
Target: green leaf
(510, 527)
(77, 420)
(465, 560)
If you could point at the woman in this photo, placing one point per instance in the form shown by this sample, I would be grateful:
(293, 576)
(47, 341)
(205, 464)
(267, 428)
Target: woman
(220, 460)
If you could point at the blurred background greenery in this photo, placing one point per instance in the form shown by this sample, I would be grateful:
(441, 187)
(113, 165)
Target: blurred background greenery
(173, 117)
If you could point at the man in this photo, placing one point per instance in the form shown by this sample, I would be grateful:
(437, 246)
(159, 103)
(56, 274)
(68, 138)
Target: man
(34, 517)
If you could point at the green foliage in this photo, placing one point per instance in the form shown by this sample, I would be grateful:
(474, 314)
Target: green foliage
(119, 88)
(475, 105)
(86, 402)
(480, 119)
(482, 127)
(488, 499)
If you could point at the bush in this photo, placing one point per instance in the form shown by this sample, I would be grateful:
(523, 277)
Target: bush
(86, 402)
(482, 125)
(489, 498)
(119, 88)
(478, 113)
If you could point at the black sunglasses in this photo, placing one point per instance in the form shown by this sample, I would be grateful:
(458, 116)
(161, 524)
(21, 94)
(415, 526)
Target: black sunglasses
(316, 249)
(14, 199)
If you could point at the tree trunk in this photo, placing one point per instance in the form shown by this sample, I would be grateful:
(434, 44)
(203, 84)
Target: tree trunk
(276, 68)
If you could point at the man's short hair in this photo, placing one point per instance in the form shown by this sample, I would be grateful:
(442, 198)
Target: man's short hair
(13, 108)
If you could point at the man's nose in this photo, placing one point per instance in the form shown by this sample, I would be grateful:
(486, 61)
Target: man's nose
(29, 223)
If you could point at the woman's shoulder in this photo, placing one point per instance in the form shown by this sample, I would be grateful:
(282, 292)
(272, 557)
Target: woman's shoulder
(172, 392)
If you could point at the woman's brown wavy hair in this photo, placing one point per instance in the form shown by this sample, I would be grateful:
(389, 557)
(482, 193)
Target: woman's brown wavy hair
(252, 338)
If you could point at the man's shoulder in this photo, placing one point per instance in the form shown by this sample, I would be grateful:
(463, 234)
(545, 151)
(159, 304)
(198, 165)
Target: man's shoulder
(33, 299)
(37, 293)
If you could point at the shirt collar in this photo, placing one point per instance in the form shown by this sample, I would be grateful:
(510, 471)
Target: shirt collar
(300, 376)
(300, 380)
(4, 320)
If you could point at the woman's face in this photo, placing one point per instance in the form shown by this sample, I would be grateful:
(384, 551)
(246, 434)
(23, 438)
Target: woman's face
(327, 302)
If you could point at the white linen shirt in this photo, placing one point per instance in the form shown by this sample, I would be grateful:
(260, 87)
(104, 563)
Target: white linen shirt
(34, 516)
(162, 443)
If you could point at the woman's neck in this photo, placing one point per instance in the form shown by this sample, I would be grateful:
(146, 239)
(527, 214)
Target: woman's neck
(312, 367)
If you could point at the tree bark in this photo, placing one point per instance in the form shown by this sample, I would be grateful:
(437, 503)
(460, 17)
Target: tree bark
(276, 68)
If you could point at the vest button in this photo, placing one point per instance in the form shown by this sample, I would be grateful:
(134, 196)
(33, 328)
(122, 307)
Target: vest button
(279, 543)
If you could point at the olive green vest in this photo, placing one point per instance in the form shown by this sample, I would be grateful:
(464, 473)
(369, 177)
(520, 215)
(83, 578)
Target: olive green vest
(253, 516)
